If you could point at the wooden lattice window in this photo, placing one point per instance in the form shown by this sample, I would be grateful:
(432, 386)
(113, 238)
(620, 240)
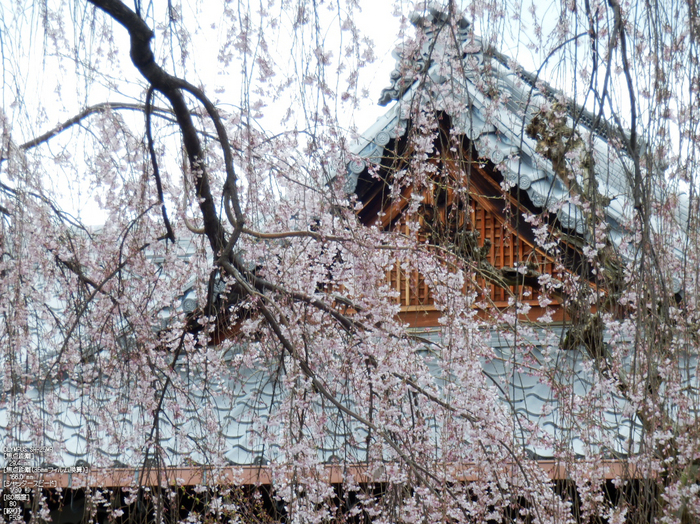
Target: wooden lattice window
(504, 249)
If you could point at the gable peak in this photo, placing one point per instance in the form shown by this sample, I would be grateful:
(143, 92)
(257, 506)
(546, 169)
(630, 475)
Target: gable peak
(429, 19)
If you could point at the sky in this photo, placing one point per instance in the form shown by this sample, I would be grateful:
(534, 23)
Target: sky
(36, 66)
(52, 85)
(44, 84)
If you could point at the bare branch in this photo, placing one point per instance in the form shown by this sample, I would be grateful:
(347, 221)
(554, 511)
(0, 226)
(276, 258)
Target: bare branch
(154, 162)
(88, 111)
(170, 87)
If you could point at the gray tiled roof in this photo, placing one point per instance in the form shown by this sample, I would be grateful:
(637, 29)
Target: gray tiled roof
(544, 389)
(498, 131)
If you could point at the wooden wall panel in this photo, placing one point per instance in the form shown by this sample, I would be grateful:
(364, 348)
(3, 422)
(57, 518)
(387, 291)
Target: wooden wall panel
(507, 250)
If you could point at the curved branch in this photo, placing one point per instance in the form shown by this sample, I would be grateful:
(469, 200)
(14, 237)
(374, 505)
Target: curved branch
(230, 185)
(320, 238)
(419, 470)
(84, 307)
(62, 215)
(156, 171)
(620, 30)
(88, 111)
(170, 86)
(193, 229)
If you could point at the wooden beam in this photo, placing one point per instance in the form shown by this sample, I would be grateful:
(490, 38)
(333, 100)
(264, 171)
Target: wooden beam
(262, 475)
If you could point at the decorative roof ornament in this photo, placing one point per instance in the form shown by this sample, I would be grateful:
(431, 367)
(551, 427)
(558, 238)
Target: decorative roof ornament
(356, 166)
(497, 156)
(382, 138)
(429, 19)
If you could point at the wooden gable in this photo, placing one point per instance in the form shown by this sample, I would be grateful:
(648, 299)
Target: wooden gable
(465, 208)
